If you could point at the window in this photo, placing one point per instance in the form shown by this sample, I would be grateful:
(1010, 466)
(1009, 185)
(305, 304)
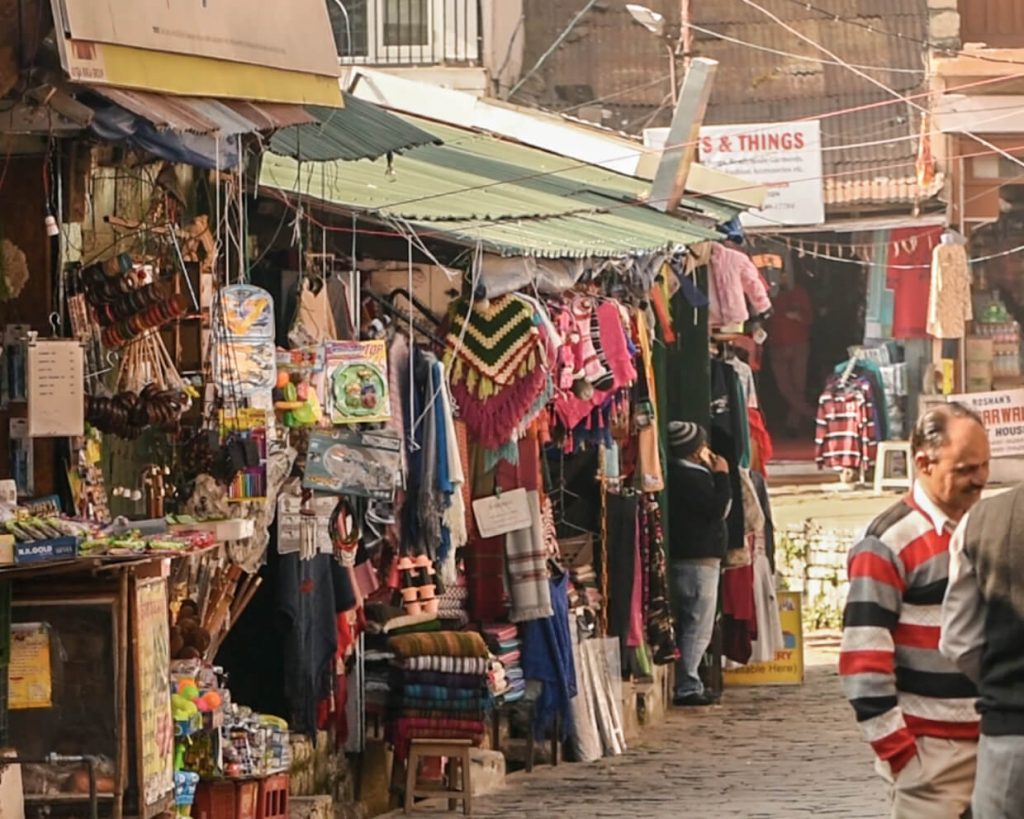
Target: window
(406, 23)
(406, 32)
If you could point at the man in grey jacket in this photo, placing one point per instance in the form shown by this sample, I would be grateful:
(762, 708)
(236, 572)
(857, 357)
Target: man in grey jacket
(983, 633)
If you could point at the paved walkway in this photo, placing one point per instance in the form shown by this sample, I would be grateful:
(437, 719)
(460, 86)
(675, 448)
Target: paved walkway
(781, 753)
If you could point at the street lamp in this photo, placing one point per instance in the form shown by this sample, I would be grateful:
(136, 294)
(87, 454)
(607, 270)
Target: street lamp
(655, 23)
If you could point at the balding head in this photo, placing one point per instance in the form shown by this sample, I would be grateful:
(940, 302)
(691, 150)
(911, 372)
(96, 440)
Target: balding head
(951, 452)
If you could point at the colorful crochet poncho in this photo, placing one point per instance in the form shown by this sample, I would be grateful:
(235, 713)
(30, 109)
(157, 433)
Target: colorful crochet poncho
(499, 369)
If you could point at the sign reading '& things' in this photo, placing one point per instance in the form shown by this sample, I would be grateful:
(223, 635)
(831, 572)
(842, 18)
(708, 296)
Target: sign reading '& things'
(783, 156)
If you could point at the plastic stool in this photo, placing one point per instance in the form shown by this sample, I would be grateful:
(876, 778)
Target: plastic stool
(886, 449)
(454, 749)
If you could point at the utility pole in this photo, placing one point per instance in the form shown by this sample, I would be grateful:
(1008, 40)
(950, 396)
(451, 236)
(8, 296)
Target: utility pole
(685, 33)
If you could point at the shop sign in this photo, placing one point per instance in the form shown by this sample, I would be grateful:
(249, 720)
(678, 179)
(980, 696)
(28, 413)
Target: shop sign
(788, 666)
(1003, 414)
(785, 157)
(293, 36)
(154, 722)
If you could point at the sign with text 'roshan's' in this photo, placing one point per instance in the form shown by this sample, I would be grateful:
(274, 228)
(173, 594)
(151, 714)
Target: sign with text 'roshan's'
(1003, 414)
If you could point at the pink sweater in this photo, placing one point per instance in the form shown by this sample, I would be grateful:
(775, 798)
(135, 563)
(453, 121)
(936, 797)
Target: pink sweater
(734, 279)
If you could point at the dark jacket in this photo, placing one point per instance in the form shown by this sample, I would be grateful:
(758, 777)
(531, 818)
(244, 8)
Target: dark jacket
(991, 545)
(699, 501)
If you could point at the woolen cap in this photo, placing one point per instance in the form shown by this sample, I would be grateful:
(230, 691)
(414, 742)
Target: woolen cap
(685, 438)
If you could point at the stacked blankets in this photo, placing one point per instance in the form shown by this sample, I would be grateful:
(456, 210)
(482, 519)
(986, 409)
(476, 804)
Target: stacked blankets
(504, 643)
(439, 687)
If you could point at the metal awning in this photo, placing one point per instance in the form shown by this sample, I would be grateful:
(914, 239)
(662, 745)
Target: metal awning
(202, 115)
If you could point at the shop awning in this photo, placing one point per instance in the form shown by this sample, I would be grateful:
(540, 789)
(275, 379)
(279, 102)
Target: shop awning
(361, 130)
(514, 199)
(203, 131)
(204, 115)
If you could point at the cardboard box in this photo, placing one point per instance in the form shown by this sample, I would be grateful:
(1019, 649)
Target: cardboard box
(6, 550)
(978, 349)
(46, 551)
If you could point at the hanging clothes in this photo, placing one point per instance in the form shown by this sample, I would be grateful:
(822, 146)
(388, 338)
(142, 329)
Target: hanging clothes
(734, 280)
(727, 439)
(846, 436)
(746, 376)
(660, 629)
(871, 372)
(909, 278)
(547, 657)
(497, 366)
(949, 303)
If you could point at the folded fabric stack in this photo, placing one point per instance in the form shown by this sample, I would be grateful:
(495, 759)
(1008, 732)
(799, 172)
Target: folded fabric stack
(438, 687)
(453, 605)
(378, 685)
(504, 643)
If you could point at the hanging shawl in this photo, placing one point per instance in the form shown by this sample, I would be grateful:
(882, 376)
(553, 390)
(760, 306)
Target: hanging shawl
(547, 656)
(495, 373)
(455, 514)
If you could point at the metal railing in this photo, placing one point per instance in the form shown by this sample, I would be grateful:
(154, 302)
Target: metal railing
(407, 32)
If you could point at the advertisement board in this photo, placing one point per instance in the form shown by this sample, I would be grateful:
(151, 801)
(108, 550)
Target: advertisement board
(788, 666)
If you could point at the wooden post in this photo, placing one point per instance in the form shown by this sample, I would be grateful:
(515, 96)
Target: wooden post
(681, 147)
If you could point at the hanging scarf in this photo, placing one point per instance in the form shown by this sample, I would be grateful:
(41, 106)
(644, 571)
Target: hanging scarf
(660, 627)
(527, 568)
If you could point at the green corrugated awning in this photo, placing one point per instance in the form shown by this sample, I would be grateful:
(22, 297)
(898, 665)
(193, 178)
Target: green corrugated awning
(514, 199)
(360, 130)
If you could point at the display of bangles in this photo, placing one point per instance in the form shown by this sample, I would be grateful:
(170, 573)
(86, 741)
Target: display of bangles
(127, 414)
(152, 318)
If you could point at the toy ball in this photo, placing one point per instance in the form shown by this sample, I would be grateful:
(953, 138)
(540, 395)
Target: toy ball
(283, 379)
(186, 682)
(213, 700)
(203, 706)
(191, 692)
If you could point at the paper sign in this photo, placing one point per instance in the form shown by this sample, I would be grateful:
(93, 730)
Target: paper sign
(56, 389)
(501, 514)
(1003, 414)
(153, 667)
(29, 675)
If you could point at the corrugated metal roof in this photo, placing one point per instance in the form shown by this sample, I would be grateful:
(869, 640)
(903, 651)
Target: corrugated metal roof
(358, 131)
(861, 163)
(515, 199)
(199, 115)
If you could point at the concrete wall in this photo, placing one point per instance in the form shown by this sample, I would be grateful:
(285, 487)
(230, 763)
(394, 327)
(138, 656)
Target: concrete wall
(504, 40)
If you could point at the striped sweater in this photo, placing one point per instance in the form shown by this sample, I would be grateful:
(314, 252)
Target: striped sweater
(899, 684)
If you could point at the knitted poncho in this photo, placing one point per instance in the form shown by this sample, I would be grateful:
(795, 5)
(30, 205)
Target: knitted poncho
(496, 372)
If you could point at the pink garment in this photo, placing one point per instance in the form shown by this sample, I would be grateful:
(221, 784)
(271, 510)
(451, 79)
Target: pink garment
(615, 344)
(734, 280)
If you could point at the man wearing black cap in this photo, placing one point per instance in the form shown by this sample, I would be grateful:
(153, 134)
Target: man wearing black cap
(700, 496)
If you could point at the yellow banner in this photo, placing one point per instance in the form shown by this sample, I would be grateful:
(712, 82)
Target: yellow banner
(788, 666)
(30, 676)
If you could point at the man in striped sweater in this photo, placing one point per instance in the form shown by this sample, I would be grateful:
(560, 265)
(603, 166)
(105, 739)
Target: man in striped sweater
(913, 705)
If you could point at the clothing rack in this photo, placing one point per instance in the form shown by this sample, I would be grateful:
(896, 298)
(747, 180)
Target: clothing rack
(386, 305)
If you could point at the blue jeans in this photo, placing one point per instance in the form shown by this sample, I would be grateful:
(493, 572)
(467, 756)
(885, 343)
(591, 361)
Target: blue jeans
(695, 595)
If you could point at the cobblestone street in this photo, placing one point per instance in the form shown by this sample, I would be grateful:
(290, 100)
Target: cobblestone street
(768, 752)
